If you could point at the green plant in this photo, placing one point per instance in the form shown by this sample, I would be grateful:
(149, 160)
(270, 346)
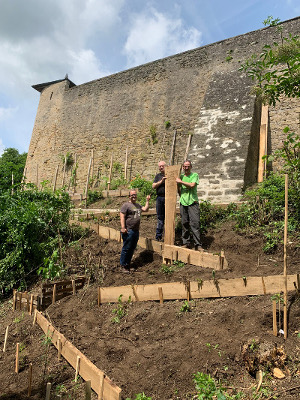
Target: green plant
(11, 162)
(53, 268)
(67, 159)
(29, 224)
(140, 396)
(121, 310)
(207, 388)
(185, 307)
(93, 196)
(167, 124)
(275, 70)
(153, 134)
(144, 188)
(254, 345)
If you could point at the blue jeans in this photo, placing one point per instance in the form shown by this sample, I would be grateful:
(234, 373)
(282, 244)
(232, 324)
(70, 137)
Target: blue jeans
(160, 211)
(130, 240)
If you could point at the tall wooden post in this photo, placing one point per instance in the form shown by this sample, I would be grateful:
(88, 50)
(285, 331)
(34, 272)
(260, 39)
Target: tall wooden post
(55, 178)
(110, 173)
(126, 162)
(263, 139)
(285, 257)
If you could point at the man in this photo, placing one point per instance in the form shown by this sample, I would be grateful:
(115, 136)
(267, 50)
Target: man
(130, 216)
(159, 186)
(189, 206)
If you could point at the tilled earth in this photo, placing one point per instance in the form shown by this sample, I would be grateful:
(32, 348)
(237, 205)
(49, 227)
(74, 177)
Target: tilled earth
(156, 348)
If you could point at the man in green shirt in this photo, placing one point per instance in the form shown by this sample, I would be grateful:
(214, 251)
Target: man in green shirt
(189, 206)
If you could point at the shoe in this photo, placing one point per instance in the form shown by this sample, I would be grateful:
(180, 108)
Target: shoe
(199, 248)
(124, 268)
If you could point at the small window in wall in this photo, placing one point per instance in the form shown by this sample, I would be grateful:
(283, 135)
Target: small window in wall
(51, 95)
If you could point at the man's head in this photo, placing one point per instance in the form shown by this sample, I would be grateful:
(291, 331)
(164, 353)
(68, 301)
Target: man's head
(187, 166)
(161, 166)
(133, 195)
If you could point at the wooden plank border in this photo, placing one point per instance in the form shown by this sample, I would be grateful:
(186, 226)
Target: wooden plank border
(213, 288)
(86, 369)
(201, 259)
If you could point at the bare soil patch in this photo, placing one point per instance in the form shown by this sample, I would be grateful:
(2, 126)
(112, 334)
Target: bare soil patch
(157, 349)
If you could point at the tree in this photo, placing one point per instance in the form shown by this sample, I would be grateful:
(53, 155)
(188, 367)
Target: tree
(276, 70)
(11, 162)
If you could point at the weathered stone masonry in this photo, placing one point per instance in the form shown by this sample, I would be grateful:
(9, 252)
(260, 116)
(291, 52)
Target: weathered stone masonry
(198, 91)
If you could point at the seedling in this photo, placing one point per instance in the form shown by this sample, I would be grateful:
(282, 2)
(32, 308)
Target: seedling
(121, 310)
(185, 307)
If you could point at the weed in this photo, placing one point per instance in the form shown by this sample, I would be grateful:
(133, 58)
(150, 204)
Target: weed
(185, 307)
(254, 345)
(140, 396)
(167, 124)
(121, 310)
(153, 134)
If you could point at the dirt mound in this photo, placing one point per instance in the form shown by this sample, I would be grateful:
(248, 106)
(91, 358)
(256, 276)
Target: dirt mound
(156, 348)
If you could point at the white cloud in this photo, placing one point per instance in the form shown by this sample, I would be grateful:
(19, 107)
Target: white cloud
(1, 147)
(153, 35)
(7, 113)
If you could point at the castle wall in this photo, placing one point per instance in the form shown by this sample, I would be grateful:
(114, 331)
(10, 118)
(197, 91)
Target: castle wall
(200, 92)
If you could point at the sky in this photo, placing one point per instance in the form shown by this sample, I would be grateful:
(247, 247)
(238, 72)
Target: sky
(43, 40)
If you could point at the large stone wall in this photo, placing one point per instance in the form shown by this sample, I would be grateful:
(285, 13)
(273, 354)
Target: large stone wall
(198, 91)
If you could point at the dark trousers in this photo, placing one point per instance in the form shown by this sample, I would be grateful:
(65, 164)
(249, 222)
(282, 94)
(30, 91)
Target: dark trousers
(160, 211)
(130, 240)
(190, 220)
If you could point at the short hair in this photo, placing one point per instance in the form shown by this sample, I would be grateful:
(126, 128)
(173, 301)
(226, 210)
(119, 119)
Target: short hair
(189, 161)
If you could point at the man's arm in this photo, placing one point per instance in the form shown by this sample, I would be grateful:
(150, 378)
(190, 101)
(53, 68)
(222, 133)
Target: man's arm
(155, 185)
(123, 223)
(146, 206)
(190, 185)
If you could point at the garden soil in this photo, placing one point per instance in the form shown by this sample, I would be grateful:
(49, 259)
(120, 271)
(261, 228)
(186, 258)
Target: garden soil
(157, 349)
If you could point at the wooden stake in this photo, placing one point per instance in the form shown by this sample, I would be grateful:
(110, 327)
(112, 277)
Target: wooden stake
(275, 332)
(87, 180)
(31, 305)
(14, 299)
(187, 146)
(88, 390)
(126, 162)
(54, 294)
(73, 286)
(48, 390)
(5, 339)
(285, 258)
(134, 293)
(20, 301)
(188, 290)
(110, 173)
(101, 387)
(29, 379)
(160, 294)
(17, 358)
(34, 317)
(64, 172)
(55, 178)
(77, 368)
(59, 349)
(99, 296)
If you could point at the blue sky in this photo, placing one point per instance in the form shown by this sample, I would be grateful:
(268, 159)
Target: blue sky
(41, 41)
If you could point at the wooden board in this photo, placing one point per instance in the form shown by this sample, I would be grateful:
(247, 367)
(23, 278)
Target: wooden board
(171, 173)
(87, 370)
(201, 259)
(250, 286)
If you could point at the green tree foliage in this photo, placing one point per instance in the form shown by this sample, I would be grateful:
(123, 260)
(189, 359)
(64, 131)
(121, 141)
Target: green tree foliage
(276, 70)
(31, 225)
(11, 162)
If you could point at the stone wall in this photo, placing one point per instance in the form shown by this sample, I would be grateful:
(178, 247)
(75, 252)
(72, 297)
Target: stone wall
(198, 91)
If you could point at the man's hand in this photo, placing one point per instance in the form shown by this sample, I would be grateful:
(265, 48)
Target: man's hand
(123, 230)
(178, 180)
(148, 197)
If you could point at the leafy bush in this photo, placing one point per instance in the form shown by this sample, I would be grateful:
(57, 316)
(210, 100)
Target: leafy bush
(11, 162)
(31, 222)
(144, 187)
